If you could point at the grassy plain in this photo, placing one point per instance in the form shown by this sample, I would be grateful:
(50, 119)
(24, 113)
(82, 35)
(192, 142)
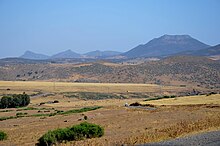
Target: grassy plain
(164, 122)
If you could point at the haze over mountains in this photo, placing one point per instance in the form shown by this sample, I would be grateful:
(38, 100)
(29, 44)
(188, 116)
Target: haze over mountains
(32, 55)
(66, 54)
(69, 54)
(98, 53)
(166, 45)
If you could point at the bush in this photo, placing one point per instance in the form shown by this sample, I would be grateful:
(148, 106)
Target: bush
(55, 101)
(20, 114)
(160, 97)
(16, 100)
(85, 118)
(76, 132)
(211, 93)
(3, 135)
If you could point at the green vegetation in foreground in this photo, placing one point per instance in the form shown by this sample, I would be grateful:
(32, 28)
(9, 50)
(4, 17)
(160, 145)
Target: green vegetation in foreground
(77, 132)
(160, 97)
(85, 109)
(3, 135)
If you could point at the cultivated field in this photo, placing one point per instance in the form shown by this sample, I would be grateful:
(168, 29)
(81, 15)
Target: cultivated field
(123, 125)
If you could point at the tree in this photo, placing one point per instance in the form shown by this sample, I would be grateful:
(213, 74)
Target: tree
(6, 101)
(16, 100)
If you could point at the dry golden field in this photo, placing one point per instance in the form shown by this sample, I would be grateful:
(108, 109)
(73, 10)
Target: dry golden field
(187, 100)
(57, 87)
(123, 125)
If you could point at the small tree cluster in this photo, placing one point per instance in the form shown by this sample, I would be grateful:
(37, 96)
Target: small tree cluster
(77, 132)
(3, 135)
(16, 100)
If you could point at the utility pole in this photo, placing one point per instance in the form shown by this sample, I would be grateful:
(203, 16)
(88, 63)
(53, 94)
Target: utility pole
(54, 85)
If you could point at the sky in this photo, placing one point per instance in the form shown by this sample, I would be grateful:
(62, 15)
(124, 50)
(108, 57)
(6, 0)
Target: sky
(52, 26)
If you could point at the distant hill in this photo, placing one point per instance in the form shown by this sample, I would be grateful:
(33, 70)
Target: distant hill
(165, 46)
(99, 54)
(176, 70)
(211, 51)
(69, 54)
(66, 54)
(17, 61)
(34, 56)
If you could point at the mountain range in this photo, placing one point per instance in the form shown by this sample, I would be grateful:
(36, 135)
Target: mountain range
(68, 54)
(166, 45)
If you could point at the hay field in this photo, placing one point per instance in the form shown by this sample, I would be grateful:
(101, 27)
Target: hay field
(187, 100)
(56, 87)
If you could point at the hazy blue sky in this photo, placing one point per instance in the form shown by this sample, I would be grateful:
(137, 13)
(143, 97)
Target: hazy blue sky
(50, 26)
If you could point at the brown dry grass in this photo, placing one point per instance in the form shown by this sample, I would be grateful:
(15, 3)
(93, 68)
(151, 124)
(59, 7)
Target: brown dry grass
(143, 130)
(122, 125)
(176, 130)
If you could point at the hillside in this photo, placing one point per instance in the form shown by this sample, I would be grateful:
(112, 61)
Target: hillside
(165, 46)
(170, 71)
(211, 51)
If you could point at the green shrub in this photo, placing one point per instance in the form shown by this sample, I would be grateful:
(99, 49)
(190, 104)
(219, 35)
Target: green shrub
(6, 118)
(47, 139)
(16, 100)
(20, 114)
(85, 109)
(160, 97)
(3, 135)
(6, 111)
(76, 132)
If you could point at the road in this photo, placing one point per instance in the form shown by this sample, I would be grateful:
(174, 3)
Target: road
(202, 139)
